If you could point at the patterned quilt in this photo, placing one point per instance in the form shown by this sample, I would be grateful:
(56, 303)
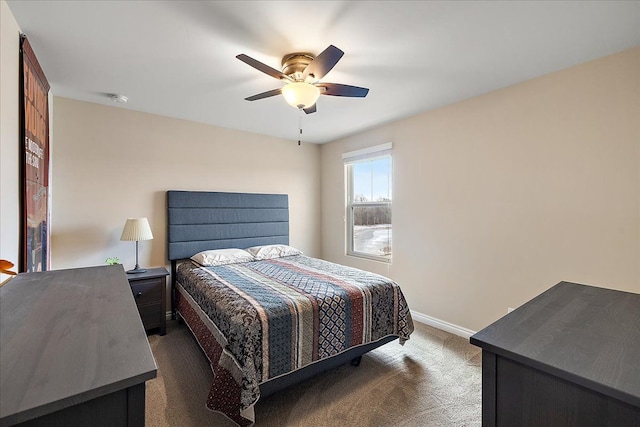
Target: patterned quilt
(258, 320)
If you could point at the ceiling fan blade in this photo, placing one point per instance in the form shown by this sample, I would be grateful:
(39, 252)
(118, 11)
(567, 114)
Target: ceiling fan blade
(263, 95)
(336, 89)
(323, 63)
(263, 67)
(311, 109)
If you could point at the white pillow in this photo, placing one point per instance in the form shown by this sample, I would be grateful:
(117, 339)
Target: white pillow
(215, 257)
(273, 251)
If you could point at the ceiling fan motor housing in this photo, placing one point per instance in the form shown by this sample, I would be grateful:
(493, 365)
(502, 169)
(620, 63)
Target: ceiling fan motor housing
(294, 64)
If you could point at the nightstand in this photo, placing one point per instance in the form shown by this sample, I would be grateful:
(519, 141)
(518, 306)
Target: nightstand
(150, 291)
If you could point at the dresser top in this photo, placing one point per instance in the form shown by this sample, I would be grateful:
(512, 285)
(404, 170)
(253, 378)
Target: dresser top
(66, 337)
(584, 334)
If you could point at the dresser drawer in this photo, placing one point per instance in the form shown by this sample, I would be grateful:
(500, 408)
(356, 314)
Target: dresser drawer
(148, 291)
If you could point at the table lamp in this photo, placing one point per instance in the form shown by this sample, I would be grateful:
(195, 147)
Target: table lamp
(136, 229)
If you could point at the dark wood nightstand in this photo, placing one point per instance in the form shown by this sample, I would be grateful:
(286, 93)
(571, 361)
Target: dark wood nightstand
(150, 292)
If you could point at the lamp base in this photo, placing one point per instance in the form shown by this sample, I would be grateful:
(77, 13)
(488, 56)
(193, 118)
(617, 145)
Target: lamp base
(137, 270)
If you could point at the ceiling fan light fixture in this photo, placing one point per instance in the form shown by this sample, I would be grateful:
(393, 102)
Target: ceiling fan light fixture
(300, 94)
(302, 73)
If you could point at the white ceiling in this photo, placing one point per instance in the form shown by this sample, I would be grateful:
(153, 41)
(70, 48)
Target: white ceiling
(177, 58)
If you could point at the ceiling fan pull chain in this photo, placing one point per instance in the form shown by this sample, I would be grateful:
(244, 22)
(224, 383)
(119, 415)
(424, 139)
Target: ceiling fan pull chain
(300, 126)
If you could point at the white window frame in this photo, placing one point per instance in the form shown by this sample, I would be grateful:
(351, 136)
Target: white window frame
(370, 153)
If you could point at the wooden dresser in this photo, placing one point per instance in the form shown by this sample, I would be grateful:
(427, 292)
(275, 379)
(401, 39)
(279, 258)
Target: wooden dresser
(73, 350)
(569, 357)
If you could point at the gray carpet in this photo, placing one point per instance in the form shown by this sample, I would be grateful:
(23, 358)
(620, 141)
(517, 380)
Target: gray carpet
(433, 380)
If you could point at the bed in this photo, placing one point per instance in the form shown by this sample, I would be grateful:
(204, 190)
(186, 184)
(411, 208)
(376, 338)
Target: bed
(268, 322)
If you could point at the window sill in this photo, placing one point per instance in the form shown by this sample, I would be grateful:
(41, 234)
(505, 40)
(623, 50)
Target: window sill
(369, 257)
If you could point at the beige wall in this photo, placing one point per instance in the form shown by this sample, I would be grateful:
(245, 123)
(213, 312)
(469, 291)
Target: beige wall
(112, 163)
(499, 197)
(9, 136)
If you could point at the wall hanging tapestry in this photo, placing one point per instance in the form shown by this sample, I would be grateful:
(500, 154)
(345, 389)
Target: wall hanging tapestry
(34, 170)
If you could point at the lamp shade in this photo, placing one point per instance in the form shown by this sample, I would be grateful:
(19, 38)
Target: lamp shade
(300, 94)
(136, 229)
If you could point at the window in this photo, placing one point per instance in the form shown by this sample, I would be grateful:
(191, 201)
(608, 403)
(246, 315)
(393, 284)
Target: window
(369, 198)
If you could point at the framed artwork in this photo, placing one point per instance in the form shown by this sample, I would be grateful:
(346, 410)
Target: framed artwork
(34, 158)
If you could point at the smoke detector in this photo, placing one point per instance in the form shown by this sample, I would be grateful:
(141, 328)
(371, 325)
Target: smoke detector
(120, 99)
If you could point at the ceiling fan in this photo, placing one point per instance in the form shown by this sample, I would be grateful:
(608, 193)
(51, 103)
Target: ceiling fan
(302, 72)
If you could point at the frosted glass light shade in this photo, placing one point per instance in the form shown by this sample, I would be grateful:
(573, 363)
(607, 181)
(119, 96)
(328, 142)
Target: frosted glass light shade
(136, 229)
(300, 94)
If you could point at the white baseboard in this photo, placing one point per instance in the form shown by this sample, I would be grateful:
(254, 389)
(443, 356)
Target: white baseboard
(441, 324)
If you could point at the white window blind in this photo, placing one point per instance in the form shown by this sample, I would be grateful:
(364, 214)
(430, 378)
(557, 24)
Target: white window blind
(368, 153)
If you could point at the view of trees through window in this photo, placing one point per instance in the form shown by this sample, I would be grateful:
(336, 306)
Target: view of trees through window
(370, 207)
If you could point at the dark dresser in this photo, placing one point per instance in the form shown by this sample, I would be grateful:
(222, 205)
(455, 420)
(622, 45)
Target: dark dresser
(569, 357)
(73, 351)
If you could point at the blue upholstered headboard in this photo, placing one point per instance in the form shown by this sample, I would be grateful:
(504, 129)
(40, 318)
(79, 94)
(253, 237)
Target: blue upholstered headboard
(199, 220)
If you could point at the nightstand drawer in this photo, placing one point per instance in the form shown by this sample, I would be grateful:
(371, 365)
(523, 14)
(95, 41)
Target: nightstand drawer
(151, 315)
(147, 291)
